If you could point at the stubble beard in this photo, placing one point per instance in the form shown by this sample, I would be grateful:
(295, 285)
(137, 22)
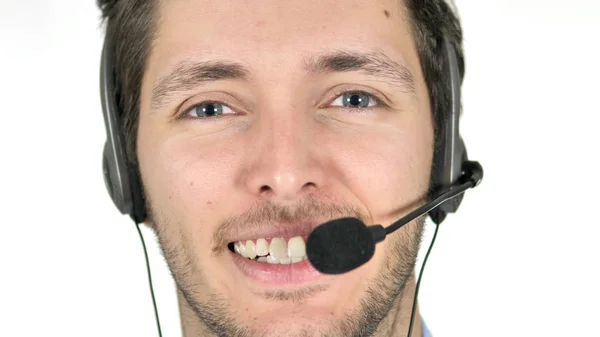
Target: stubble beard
(376, 314)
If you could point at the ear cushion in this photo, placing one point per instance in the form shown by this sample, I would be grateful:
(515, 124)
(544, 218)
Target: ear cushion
(123, 186)
(442, 179)
(138, 214)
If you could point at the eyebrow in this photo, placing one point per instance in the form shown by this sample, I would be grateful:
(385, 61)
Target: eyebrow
(189, 74)
(372, 64)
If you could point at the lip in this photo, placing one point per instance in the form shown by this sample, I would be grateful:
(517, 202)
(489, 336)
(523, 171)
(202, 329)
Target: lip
(276, 274)
(281, 230)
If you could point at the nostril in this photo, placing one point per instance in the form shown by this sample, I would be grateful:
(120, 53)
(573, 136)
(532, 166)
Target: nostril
(265, 188)
(309, 184)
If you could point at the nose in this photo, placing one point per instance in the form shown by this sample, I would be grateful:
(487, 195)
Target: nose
(285, 164)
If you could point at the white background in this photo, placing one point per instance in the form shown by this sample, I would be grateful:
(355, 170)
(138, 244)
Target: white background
(521, 258)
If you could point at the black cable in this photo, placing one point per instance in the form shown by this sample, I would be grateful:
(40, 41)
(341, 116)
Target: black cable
(414, 307)
(150, 280)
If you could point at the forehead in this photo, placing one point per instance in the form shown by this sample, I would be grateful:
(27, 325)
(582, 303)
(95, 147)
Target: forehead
(278, 33)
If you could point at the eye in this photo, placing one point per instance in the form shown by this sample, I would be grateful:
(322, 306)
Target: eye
(208, 109)
(356, 99)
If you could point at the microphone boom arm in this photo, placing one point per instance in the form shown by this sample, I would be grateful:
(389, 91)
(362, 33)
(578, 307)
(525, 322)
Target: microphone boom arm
(473, 177)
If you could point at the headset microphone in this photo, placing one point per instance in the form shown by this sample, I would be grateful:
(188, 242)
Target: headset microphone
(341, 245)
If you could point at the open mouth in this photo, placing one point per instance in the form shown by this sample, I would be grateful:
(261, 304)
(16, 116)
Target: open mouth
(272, 250)
(274, 262)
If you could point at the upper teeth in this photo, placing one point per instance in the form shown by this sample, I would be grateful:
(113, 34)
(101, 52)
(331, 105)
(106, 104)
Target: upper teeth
(276, 251)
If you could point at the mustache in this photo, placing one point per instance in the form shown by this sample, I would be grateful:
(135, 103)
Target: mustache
(268, 214)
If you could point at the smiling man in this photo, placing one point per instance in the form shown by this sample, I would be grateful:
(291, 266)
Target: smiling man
(249, 123)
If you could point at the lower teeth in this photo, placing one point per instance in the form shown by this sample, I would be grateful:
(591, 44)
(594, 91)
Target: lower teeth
(269, 258)
(286, 260)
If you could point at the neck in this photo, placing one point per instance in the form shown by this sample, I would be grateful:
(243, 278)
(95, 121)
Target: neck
(396, 323)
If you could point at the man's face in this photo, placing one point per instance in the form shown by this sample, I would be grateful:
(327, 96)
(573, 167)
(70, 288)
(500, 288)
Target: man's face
(261, 120)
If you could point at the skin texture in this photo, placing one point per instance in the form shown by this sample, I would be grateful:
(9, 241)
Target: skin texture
(284, 152)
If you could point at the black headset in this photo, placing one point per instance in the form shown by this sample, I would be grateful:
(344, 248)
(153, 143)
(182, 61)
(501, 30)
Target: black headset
(450, 162)
(123, 182)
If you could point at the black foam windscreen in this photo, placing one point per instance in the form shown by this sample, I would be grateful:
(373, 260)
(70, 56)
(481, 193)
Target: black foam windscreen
(340, 245)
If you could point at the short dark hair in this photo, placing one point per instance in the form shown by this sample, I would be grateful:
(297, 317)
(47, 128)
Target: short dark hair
(131, 25)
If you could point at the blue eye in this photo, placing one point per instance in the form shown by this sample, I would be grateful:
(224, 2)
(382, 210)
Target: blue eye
(355, 99)
(208, 109)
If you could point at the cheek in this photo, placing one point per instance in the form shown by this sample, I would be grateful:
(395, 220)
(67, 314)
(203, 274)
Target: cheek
(186, 179)
(389, 171)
